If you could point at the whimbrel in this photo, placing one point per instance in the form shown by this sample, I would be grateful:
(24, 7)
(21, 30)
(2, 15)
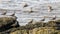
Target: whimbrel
(31, 10)
(25, 5)
(13, 14)
(30, 21)
(4, 13)
(43, 19)
(49, 9)
(54, 18)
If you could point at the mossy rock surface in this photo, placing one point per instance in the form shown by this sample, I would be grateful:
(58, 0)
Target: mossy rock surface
(6, 20)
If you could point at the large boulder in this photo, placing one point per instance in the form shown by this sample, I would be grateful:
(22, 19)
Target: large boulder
(6, 22)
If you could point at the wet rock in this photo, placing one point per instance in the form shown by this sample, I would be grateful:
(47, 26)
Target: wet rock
(6, 22)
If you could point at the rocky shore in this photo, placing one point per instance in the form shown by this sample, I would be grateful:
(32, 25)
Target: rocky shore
(8, 25)
(30, 17)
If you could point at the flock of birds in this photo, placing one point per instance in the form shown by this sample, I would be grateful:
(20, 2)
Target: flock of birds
(4, 13)
(49, 10)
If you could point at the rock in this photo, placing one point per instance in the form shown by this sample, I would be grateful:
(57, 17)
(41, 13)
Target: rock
(6, 22)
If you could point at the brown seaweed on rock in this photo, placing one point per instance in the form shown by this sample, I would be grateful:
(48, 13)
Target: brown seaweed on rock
(6, 22)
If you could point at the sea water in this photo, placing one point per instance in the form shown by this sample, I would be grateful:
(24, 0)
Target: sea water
(39, 7)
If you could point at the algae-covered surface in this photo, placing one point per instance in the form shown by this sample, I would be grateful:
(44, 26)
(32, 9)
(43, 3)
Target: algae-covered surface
(38, 28)
(47, 28)
(6, 20)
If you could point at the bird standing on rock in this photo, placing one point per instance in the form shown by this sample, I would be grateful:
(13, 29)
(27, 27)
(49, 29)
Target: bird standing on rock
(31, 10)
(54, 18)
(31, 21)
(13, 14)
(43, 19)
